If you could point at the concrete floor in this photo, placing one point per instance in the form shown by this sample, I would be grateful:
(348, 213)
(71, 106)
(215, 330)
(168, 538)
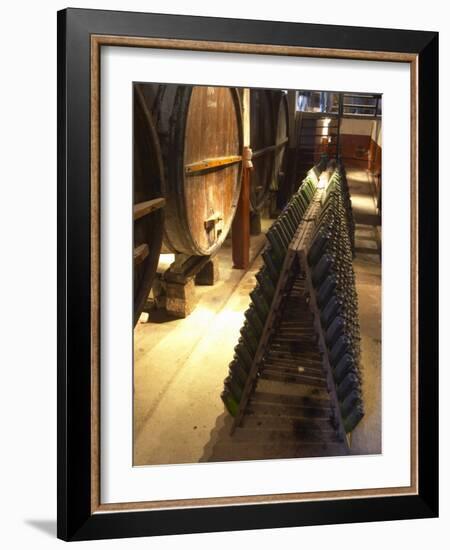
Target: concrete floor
(366, 438)
(180, 365)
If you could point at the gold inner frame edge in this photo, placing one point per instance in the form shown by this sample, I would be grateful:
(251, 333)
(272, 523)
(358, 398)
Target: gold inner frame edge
(97, 41)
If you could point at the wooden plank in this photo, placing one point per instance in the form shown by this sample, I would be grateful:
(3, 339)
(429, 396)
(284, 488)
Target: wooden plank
(359, 106)
(301, 344)
(277, 357)
(142, 209)
(210, 164)
(317, 400)
(288, 411)
(270, 148)
(365, 117)
(293, 368)
(290, 435)
(296, 335)
(283, 424)
(287, 378)
(140, 253)
(301, 371)
(297, 359)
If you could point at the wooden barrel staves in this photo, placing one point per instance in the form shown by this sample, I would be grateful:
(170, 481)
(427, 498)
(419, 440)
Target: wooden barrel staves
(262, 131)
(148, 211)
(200, 132)
(281, 137)
(268, 138)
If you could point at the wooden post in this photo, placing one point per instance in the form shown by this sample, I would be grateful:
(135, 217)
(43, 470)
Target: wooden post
(240, 232)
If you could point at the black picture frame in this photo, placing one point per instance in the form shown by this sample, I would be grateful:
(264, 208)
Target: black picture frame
(75, 518)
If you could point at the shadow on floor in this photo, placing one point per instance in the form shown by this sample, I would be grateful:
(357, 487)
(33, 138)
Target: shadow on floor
(367, 219)
(265, 443)
(46, 526)
(160, 316)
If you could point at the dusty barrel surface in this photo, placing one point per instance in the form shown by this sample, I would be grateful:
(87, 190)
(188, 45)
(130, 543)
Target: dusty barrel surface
(281, 139)
(268, 139)
(200, 132)
(148, 209)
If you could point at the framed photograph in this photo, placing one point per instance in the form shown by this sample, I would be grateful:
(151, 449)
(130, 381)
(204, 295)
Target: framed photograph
(247, 255)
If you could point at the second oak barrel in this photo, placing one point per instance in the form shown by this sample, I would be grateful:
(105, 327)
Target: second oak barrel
(268, 139)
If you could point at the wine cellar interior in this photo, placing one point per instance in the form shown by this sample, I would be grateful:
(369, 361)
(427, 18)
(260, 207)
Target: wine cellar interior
(257, 273)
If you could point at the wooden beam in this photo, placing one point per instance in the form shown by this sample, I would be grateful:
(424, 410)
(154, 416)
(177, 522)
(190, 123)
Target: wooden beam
(142, 209)
(360, 116)
(208, 164)
(270, 148)
(360, 105)
(140, 253)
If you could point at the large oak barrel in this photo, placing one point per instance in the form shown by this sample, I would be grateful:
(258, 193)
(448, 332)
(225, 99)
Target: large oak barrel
(200, 132)
(268, 138)
(148, 211)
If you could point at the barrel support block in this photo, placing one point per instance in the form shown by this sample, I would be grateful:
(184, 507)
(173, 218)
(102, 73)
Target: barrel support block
(180, 298)
(209, 274)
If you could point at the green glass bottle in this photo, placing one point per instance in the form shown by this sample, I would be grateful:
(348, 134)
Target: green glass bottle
(277, 247)
(268, 257)
(260, 303)
(254, 321)
(237, 372)
(244, 356)
(353, 419)
(230, 402)
(248, 337)
(266, 284)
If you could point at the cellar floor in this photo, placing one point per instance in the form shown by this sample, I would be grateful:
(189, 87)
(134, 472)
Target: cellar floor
(366, 437)
(180, 365)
